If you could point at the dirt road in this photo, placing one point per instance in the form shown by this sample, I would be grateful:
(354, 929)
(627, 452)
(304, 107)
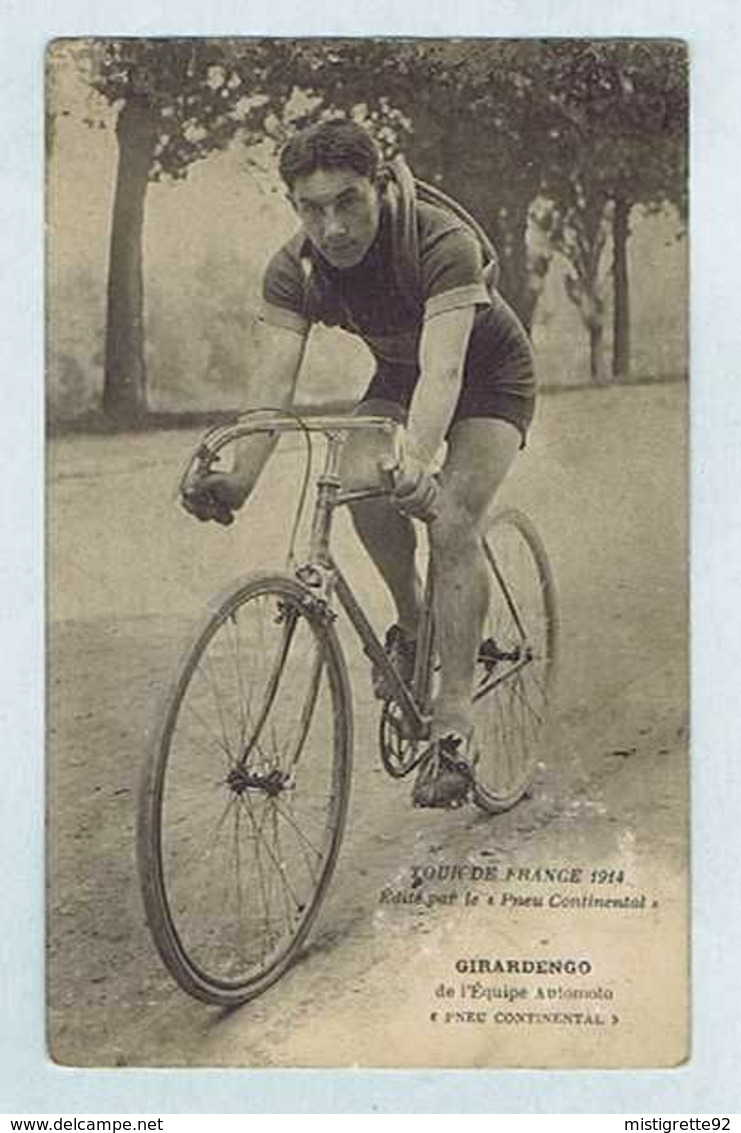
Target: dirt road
(604, 478)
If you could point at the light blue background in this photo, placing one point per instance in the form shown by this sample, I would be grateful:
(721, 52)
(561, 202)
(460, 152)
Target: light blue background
(709, 1083)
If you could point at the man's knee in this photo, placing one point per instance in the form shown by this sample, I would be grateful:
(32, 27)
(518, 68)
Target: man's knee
(455, 531)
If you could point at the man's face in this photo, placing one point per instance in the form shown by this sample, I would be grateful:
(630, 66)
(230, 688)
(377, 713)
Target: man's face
(339, 210)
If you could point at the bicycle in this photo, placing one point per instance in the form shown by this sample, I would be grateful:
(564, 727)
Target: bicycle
(244, 798)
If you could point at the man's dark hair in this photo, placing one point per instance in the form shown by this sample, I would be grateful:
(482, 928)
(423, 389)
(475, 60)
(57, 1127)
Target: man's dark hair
(335, 144)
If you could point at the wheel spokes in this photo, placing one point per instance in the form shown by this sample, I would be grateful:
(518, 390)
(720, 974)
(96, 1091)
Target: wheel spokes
(513, 666)
(242, 865)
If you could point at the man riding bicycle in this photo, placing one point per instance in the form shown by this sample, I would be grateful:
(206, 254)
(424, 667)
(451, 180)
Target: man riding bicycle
(453, 364)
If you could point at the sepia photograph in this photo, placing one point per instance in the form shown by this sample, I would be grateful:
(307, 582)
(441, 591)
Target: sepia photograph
(367, 553)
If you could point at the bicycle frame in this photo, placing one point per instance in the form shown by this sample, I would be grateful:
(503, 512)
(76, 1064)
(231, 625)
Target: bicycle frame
(320, 574)
(273, 823)
(414, 702)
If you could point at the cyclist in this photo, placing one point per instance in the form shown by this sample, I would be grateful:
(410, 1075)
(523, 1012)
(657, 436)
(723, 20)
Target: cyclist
(453, 364)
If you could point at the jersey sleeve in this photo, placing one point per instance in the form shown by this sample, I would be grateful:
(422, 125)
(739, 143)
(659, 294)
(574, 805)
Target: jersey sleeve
(283, 303)
(451, 270)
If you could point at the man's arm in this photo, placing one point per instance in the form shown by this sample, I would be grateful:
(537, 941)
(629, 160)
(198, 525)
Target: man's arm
(271, 385)
(442, 356)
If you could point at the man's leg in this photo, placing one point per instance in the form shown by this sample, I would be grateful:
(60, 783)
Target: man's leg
(480, 453)
(387, 536)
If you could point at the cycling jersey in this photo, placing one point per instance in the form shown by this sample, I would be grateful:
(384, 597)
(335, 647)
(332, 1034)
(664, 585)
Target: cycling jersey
(367, 300)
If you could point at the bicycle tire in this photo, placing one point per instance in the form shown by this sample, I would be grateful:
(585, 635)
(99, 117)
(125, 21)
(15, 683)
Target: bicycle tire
(229, 915)
(516, 664)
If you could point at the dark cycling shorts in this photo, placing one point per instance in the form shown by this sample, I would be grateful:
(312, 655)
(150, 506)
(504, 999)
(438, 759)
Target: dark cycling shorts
(498, 377)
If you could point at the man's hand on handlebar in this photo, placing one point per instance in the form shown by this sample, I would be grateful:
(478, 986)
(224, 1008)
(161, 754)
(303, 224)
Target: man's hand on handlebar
(215, 495)
(415, 489)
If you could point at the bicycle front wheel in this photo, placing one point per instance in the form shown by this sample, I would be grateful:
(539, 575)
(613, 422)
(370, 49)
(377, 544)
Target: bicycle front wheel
(244, 798)
(516, 662)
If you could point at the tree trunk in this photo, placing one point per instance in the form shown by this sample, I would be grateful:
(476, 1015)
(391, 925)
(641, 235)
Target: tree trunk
(621, 296)
(596, 359)
(125, 383)
(584, 293)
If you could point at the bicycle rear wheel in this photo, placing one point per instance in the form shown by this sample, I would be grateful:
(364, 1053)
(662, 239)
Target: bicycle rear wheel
(244, 797)
(516, 662)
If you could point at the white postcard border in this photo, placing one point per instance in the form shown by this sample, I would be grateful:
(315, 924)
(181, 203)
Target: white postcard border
(30, 1082)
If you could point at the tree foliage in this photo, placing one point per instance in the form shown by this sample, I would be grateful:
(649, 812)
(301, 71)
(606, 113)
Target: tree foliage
(620, 140)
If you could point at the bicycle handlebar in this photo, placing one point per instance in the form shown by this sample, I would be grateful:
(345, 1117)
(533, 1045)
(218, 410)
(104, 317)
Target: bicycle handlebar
(274, 422)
